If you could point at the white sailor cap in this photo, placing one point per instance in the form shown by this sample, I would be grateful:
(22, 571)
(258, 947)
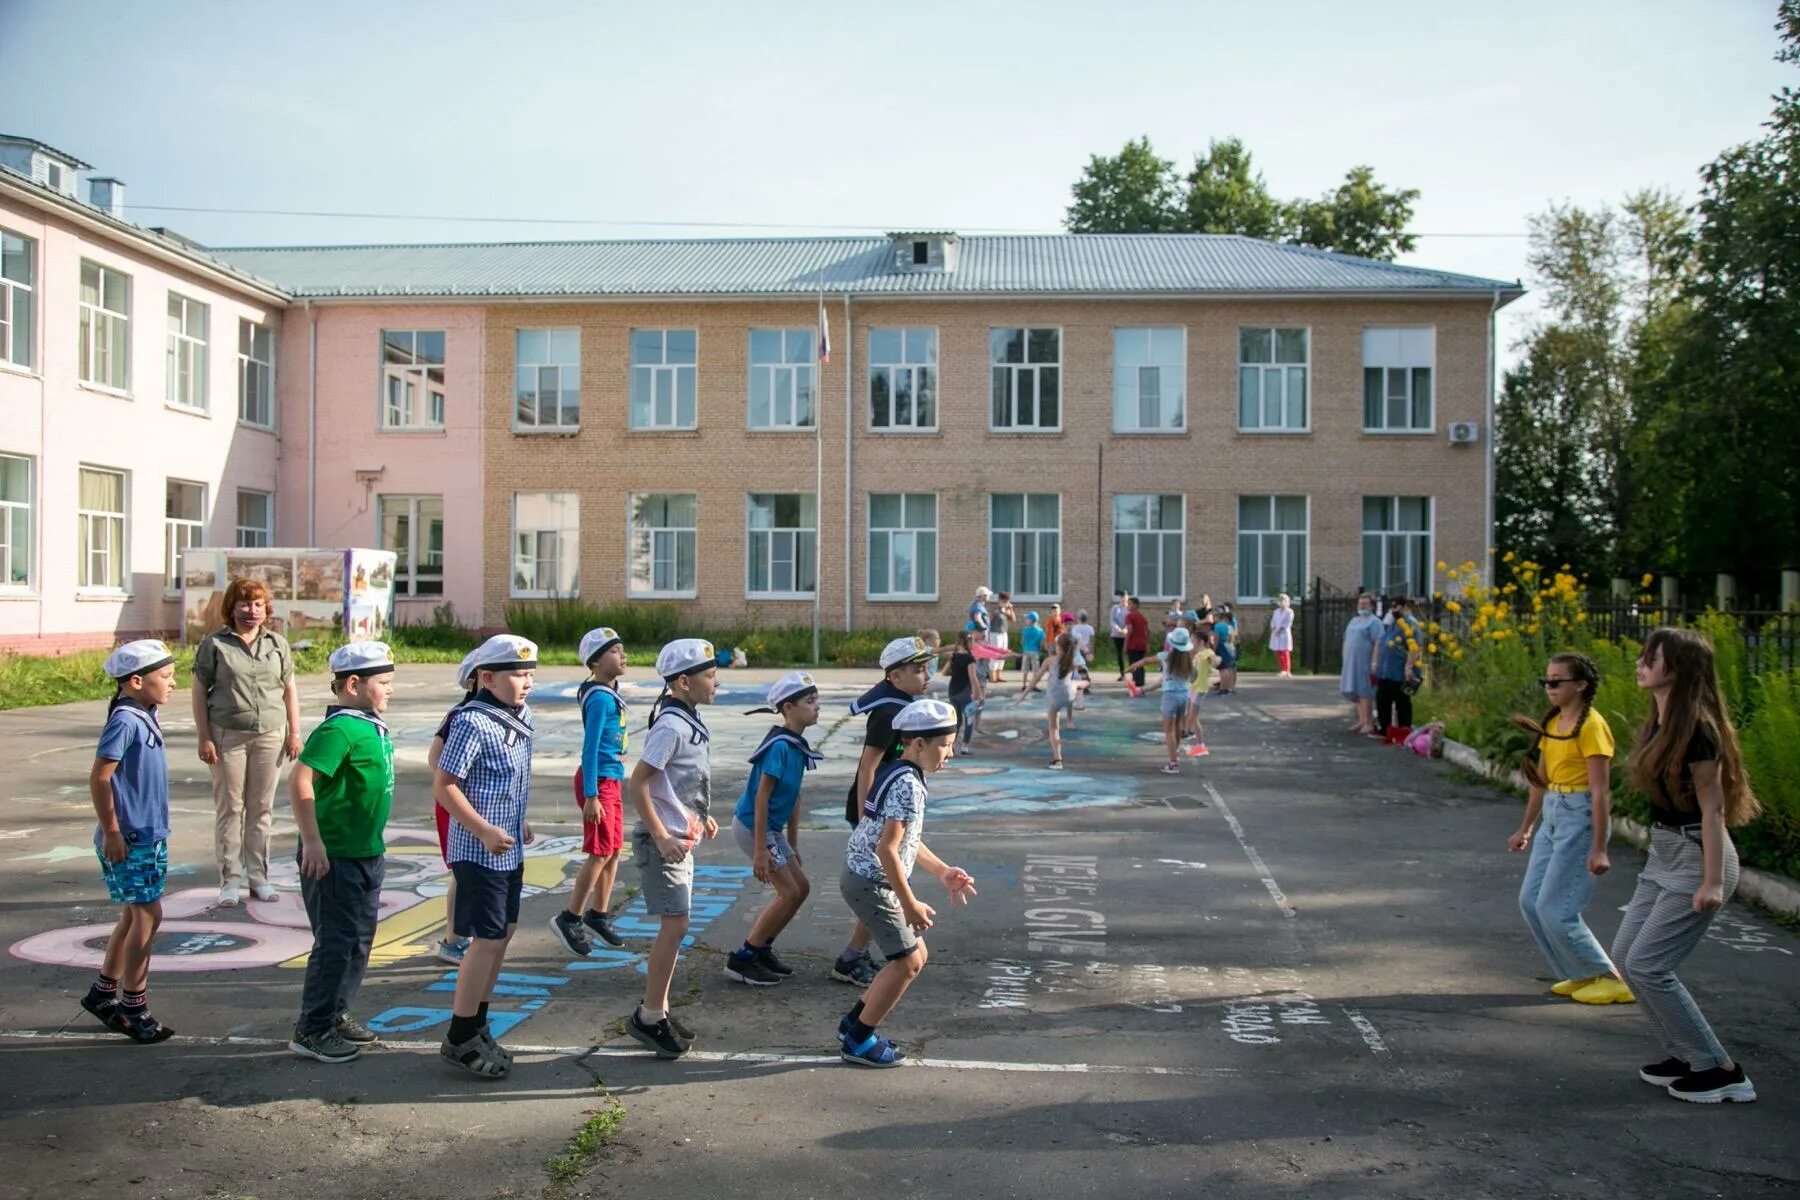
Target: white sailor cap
(685, 656)
(795, 685)
(465, 670)
(925, 718)
(361, 658)
(505, 652)
(904, 650)
(596, 642)
(137, 658)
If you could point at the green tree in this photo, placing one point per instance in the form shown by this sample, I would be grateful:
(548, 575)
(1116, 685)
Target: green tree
(1360, 217)
(1133, 191)
(1225, 194)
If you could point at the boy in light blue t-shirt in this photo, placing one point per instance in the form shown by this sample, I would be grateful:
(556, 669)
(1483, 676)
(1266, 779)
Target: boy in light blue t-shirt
(1031, 646)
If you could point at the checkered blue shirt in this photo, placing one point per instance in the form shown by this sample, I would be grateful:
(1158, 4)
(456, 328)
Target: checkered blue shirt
(488, 750)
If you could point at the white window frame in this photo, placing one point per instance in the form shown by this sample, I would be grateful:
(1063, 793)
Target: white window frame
(251, 367)
(1280, 539)
(1407, 373)
(9, 545)
(104, 334)
(19, 296)
(1423, 545)
(1014, 371)
(179, 533)
(649, 375)
(187, 353)
(772, 537)
(118, 536)
(914, 373)
(407, 388)
(656, 544)
(1001, 579)
(1277, 369)
(565, 550)
(1161, 536)
(409, 567)
(557, 369)
(903, 531)
(265, 531)
(1128, 380)
(794, 372)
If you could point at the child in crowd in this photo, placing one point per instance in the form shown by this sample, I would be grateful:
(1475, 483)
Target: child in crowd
(1031, 645)
(1061, 668)
(1115, 618)
(1225, 643)
(967, 691)
(483, 779)
(935, 642)
(1000, 634)
(1177, 667)
(878, 869)
(599, 788)
(129, 785)
(671, 790)
(455, 942)
(1084, 635)
(341, 789)
(766, 825)
(1204, 660)
(1137, 642)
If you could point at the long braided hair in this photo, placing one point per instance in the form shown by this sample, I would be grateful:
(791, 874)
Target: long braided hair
(1587, 680)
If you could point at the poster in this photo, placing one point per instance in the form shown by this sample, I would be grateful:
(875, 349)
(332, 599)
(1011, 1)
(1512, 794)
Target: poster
(315, 593)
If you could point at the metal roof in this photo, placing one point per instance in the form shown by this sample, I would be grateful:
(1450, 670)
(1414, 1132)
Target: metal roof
(21, 140)
(1056, 264)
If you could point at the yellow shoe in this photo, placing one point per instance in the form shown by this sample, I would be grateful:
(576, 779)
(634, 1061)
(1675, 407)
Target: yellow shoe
(1605, 990)
(1569, 987)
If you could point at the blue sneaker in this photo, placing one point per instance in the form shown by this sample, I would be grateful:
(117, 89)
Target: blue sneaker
(876, 1052)
(452, 950)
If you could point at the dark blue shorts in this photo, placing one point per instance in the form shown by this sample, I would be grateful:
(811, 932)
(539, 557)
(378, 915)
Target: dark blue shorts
(487, 901)
(139, 879)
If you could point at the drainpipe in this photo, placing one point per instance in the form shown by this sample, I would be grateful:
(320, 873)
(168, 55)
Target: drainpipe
(312, 425)
(1488, 441)
(849, 462)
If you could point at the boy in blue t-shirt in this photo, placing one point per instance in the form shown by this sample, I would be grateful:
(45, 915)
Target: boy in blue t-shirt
(599, 790)
(1031, 646)
(129, 785)
(766, 825)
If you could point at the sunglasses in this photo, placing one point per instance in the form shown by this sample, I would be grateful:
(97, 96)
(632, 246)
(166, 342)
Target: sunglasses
(1550, 683)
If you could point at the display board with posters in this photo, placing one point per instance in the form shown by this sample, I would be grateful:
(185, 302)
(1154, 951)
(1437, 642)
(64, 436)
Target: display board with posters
(335, 593)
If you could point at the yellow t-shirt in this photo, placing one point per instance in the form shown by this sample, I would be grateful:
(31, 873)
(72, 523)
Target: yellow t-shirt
(1565, 759)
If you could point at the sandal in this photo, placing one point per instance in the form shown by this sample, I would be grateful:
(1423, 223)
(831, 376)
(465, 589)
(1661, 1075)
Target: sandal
(477, 1056)
(506, 1056)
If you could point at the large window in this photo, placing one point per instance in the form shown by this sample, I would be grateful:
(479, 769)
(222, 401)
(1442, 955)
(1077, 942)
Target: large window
(903, 379)
(256, 374)
(101, 524)
(413, 528)
(1397, 545)
(1025, 544)
(1026, 388)
(184, 525)
(663, 384)
(187, 353)
(1397, 367)
(902, 546)
(546, 544)
(548, 386)
(1149, 380)
(782, 554)
(1148, 546)
(1272, 379)
(17, 278)
(782, 375)
(255, 518)
(15, 521)
(664, 545)
(104, 350)
(412, 379)
(1272, 532)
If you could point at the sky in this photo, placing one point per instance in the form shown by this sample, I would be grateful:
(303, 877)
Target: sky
(705, 119)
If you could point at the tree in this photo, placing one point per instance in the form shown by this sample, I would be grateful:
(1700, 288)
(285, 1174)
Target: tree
(1545, 504)
(1133, 191)
(1361, 217)
(1226, 195)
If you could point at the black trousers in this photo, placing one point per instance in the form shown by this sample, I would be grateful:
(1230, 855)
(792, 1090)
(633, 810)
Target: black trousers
(1392, 705)
(1119, 649)
(343, 908)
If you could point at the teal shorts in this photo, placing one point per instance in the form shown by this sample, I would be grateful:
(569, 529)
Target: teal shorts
(139, 879)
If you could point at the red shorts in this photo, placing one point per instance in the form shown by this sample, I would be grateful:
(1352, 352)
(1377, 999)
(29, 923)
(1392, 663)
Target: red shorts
(443, 824)
(606, 836)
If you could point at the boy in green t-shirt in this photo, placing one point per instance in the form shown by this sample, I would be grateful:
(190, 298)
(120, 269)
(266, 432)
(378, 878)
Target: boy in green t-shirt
(342, 789)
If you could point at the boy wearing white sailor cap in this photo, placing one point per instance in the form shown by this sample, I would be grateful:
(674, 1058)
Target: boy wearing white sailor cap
(878, 864)
(342, 789)
(671, 789)
(129, 785)
(483, 779)
(455, 942)
(766, 825)
(599, 791)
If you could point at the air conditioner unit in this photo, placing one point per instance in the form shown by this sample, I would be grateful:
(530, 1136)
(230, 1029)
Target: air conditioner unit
(1464, 432)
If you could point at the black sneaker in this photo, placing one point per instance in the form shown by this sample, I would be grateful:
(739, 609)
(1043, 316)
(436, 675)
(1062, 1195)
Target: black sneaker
(680, 1028)
(766, 956)
(571, 933)
(600, 924)
(354, 1031)
(859, 971)
(1714, 1085)
(659, 1038)
(1664, 1073)
(331, 1046)
(751, 971)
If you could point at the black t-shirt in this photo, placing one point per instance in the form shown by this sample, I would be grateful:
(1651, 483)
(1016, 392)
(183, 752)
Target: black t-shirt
(877, 732)
(1683, 808)
(962, 669)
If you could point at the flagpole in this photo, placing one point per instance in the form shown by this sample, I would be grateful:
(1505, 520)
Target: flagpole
(821, 353)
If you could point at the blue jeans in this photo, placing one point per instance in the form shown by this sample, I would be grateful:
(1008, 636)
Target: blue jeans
(1557, 888)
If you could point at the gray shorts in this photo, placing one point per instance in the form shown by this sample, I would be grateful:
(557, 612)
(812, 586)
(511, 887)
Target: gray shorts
(877, 906)
(780, 852)
(668, 887)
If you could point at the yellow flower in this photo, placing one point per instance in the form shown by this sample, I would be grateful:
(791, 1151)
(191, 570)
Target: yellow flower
(1452, 606)
(1580, 617)
(1431, 647)
(1442, 567)
(1646, 580)
(1507, 557)
(1456, 655)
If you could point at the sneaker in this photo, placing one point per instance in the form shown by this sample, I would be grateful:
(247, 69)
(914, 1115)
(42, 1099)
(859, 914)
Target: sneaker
(1056, 764)
(751, 971)
(141, 1026)
(571, 933)
(1664, 1073)
(228, 895)
(680, 1027)
(876, 1052)
(659, 1038)
(860, 971)
(1568, 987)
(354, 1031)
(1605, 990)
(327, 1047)
(264, 892)
(452, 951)
(1171, 768)
(1715, 1085)
(1198, 750)
(964, 749)
(601, 926)
(766, 956)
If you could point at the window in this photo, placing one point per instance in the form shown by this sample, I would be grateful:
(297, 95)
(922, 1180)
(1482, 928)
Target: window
(104, 352)
(412, 379)
(548, 388)
(256, 374)
(1025, 544)
(255, 518)
(902, 546)
(664, 540)
(1397, 365)
(781, 378)
(187, 353)
(1148, 546)
(903, 379)
(546, 544)
(782, 554)
(1149, 381)
(1272, 370)
(16, 295)
(413, 528)
(101, 520)
(1027, 378)
(1272, 533)
(54, 176)
(184, 525)
(15, 522)
(663, 378)
(1397, 545)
